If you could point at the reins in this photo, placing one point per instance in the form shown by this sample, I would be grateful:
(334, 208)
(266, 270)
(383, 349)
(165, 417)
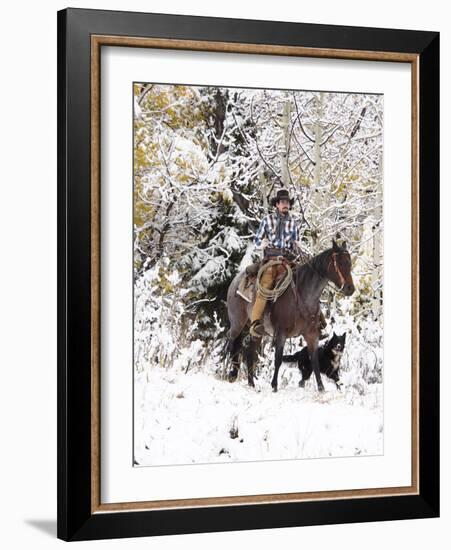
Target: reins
(337, 270)
(283, 284)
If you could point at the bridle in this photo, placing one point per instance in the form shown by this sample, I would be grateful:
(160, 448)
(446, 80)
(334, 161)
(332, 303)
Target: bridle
(337, 270)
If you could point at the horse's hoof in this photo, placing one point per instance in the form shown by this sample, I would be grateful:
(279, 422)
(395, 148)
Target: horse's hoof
(321, 388)
(232, 376)
(301, 384)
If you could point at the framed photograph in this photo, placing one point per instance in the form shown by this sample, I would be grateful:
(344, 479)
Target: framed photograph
(248, 274)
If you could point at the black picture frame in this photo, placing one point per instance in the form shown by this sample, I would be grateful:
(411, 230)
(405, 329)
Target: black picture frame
(76, 519)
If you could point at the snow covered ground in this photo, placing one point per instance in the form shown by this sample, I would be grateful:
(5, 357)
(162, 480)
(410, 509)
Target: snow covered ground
(197, 417)
(185, 412)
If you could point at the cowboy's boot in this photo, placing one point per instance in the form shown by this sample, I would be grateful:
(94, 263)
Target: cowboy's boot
(256, 329)
(267, 281)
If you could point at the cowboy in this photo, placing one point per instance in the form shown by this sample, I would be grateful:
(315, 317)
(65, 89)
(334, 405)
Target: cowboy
(278, 235)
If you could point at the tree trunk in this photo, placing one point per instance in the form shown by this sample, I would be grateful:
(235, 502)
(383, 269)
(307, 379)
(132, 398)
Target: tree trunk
(284, 144)
(318, 193)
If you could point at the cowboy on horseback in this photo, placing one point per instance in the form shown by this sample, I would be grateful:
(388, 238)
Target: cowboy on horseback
(295, 312)
(278, 237)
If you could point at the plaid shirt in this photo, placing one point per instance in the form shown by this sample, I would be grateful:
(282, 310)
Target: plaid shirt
(280, 235)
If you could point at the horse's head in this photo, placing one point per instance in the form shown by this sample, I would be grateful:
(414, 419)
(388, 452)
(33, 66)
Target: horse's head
(339, 268)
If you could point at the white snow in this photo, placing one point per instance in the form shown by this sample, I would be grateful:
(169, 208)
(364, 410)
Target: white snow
(185, 412)
(188, 189)
(199, 418)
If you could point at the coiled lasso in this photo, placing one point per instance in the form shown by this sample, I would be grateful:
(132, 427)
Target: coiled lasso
(281, 286)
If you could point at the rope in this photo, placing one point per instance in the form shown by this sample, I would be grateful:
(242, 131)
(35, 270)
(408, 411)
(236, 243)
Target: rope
(281, 286)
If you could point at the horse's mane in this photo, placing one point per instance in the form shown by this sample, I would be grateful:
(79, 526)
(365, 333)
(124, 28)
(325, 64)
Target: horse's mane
(315, 267)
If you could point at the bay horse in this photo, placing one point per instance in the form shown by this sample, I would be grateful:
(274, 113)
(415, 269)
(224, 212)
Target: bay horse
(296, 312)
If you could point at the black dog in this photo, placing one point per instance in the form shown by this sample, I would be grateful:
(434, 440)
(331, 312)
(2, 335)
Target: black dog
(329, 356)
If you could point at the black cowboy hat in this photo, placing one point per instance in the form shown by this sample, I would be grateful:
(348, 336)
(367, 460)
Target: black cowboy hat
(281, 194)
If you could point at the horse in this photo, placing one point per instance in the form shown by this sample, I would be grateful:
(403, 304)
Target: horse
(296, 312)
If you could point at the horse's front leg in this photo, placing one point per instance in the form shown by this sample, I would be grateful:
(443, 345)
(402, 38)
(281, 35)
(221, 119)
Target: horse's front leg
(315, 367)
(280, 343)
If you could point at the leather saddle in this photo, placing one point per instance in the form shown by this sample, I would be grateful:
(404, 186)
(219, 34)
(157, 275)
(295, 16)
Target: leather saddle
(246, 286)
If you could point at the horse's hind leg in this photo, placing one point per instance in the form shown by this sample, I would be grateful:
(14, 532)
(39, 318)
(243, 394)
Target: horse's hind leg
(236, 310)
(251, 355)
(234, 348)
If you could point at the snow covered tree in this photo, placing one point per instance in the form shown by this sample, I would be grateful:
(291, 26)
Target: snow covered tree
(206, 162)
